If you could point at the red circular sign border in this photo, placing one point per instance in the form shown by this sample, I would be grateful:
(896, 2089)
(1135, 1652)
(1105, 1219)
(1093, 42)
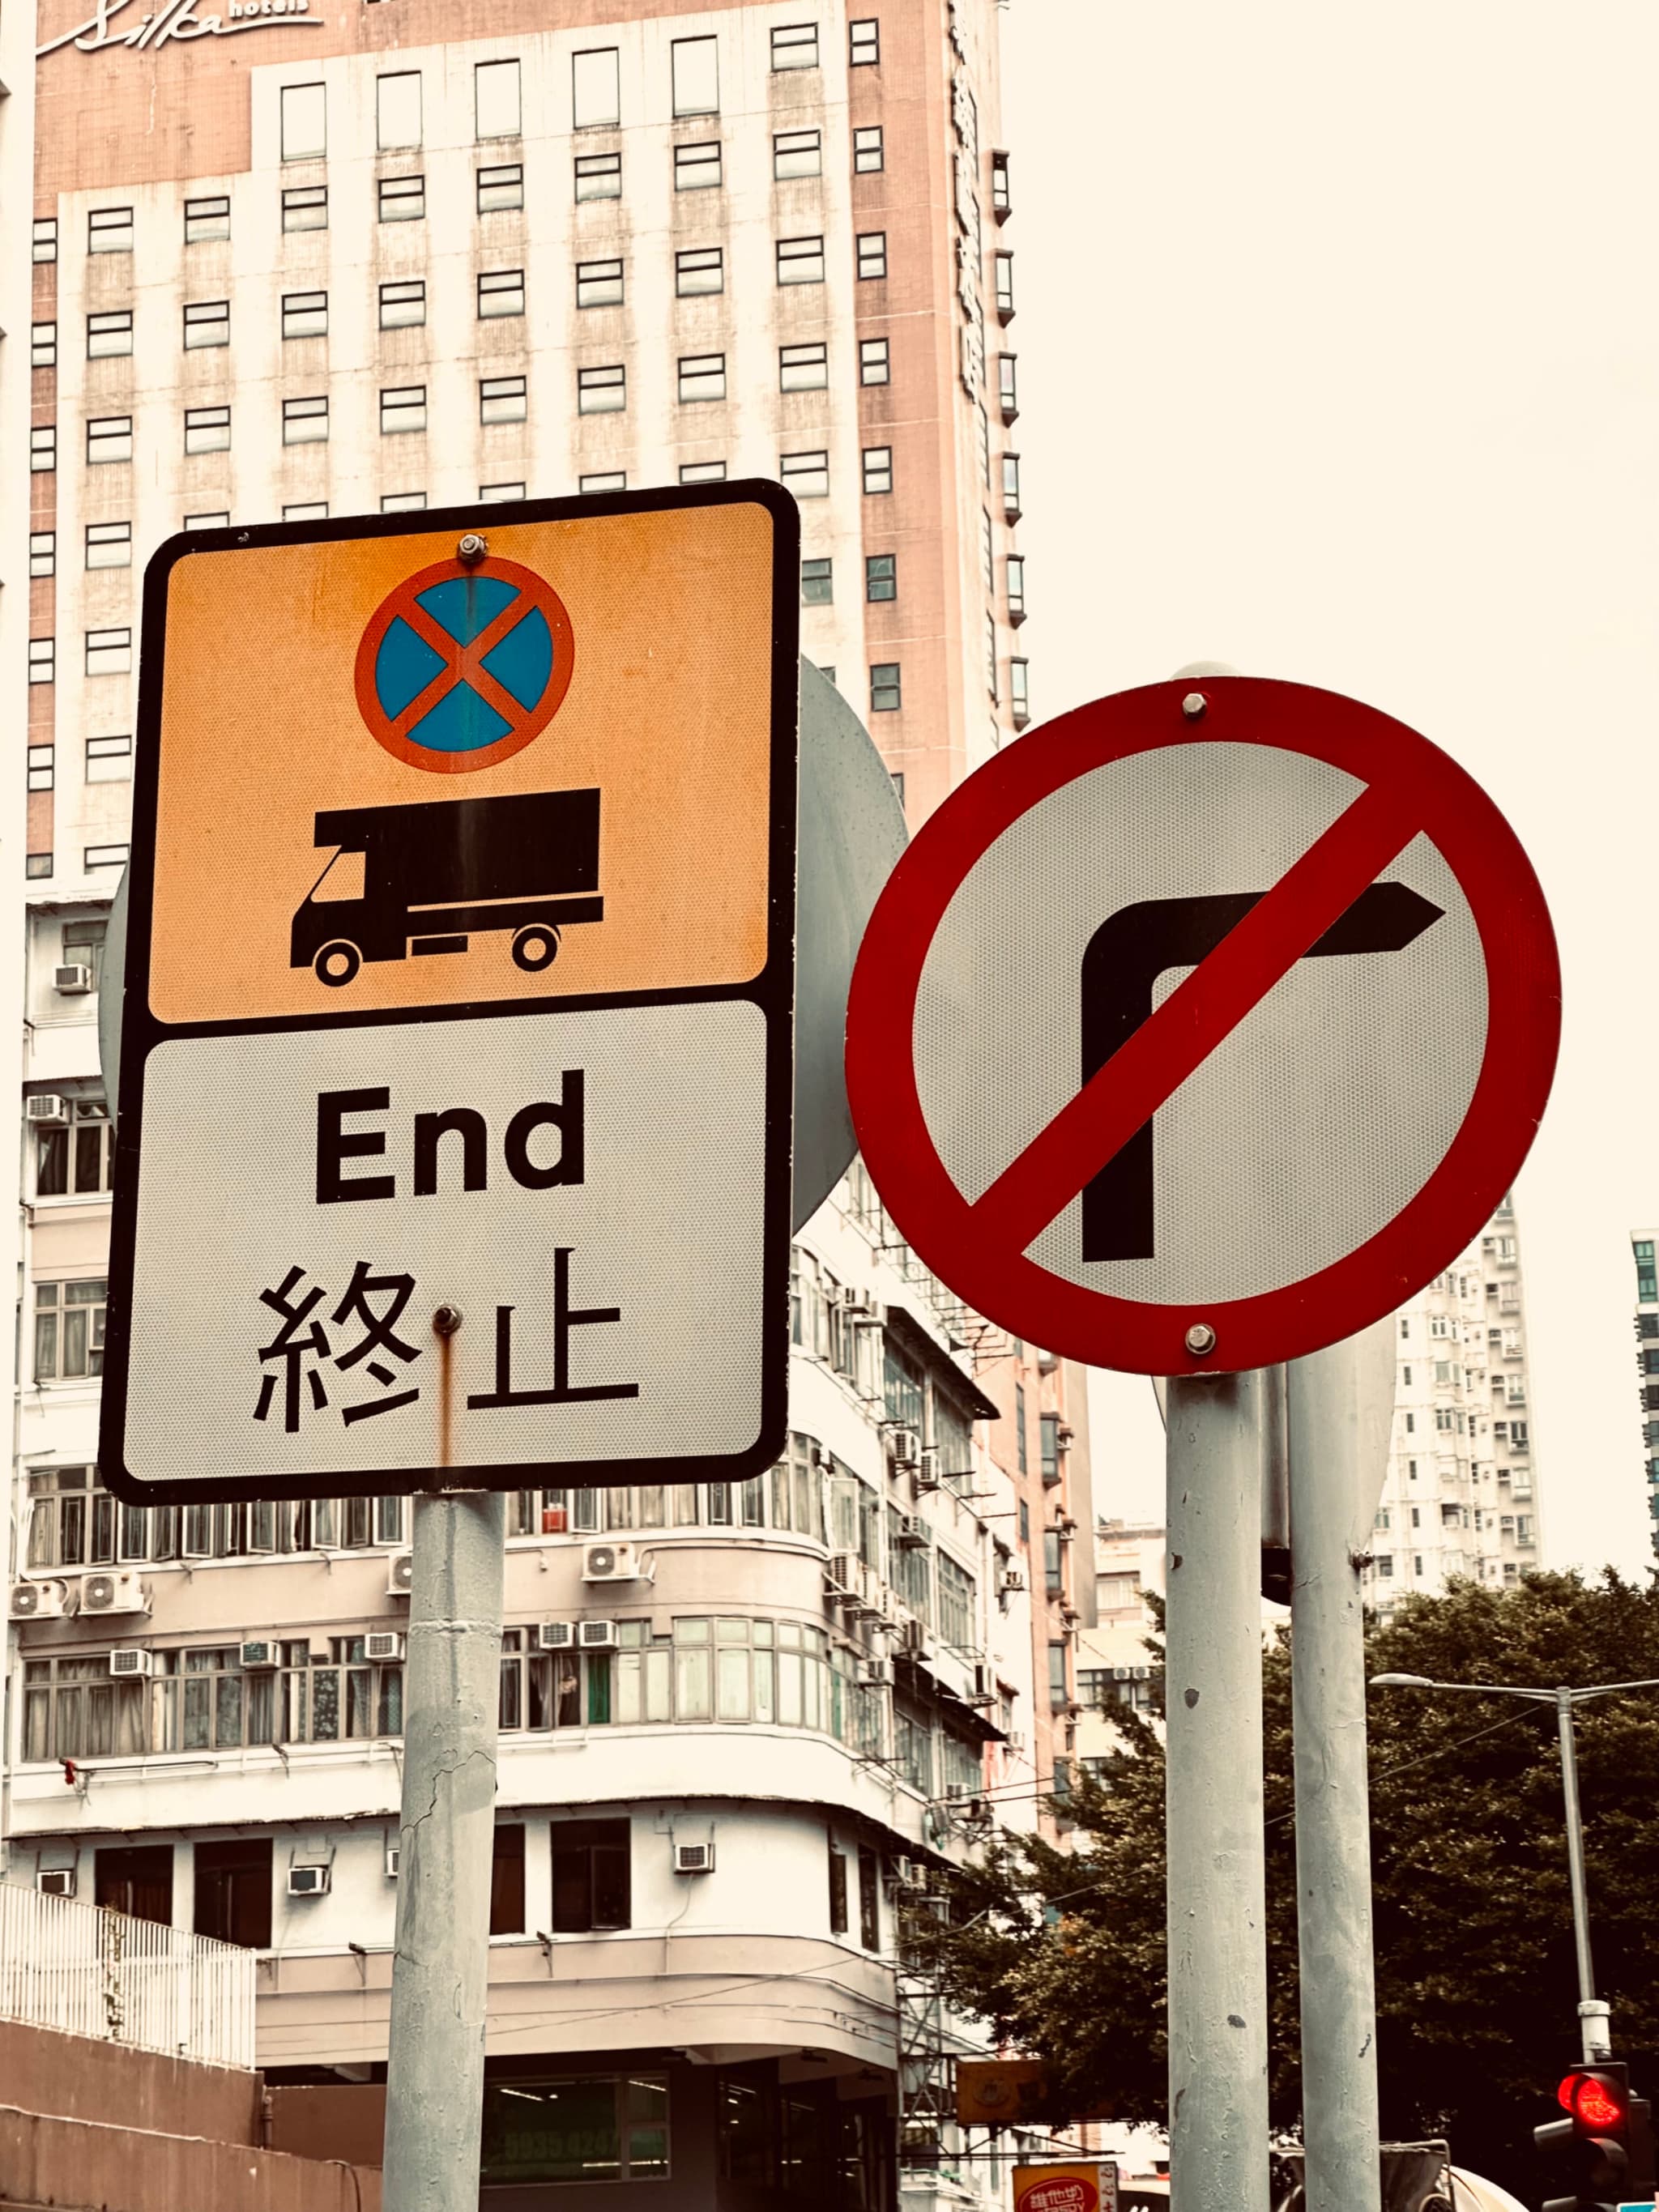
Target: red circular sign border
(1523, 989)
(541, 594)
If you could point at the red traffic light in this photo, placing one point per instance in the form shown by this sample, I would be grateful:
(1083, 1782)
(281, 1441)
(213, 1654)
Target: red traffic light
(1597, 2101)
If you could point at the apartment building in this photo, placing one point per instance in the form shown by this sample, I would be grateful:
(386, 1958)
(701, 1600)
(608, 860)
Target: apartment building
(366, 255)
(1644, 1243)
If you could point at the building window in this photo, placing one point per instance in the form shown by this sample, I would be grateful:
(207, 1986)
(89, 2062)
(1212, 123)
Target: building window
(503, 187)
(803, 367)
(499, 494)
(598, 177)
(693, 472)
(696, 72)
(837, 1890)
(109, 230)
(871, 253)
(109, 334)
(402, 408)
(875, 365)
(43, 447)
(304, 314)
(1058, 1694)
(1001, 202)
(805, 475)
(867, 151)
(43, 553)
(1021, 1458)
(1004, 287)
(1019, 692)
(701, 270)
(40, 771)
(595, 89)
(598, 283)
(305, 207)
(885, 691)
(109, 760)
(45, 240)
(988, 560)
(403, 305)
(43, 345)
(877, 468)
(590, 1876)
(703, 376)
(1007, 387)
(794, 45)
(403, 199)
(817, 583)
(869, 1898)
(601, 390)
(305, 122)
(206, 219)
(1011, 507)
(697, 168)
(506, 1898)
(216, 521)
(305, 422)
(109, 652)
(585, 2129)
(801, 261)
(603, 480)
(207, 429)
(402, 502)
(234, 1884)
(1016, 566)
(109, 438)
(496, 99)
(109, 545)
(69, 1317)
(72, 1709)
(991, 656)
(397, 110)
(207, 323)
(500, 292)
(37, 866)
(864, 43)
(797, 154)
(501, 399)
(43, 660)
(305, 510)
(881, 576)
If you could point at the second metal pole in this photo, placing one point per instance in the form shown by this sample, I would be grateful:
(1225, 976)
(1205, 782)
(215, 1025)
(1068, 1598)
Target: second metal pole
(440, 1972)
(1330, 1512)
(1592, 2015)
(1218, 1953)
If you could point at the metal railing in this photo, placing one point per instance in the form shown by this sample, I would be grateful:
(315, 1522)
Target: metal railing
(87, 1971)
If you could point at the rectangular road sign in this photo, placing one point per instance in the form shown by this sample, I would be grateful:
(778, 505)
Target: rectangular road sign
(459, 975)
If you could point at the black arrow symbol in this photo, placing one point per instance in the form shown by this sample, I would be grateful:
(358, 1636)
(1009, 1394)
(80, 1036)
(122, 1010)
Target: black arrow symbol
(1122, 964)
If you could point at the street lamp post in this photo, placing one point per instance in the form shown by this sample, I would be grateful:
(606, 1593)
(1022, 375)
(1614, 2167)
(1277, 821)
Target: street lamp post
(1594, 2031)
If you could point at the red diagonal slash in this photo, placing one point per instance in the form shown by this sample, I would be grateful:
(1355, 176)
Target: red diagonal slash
(463, 664)
(1312, 894)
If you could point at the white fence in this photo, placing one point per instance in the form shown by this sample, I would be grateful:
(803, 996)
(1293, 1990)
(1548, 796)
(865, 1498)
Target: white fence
(91, 1971)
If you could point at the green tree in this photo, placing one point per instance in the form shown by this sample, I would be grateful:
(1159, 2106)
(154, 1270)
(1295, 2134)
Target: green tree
(1063, 1951)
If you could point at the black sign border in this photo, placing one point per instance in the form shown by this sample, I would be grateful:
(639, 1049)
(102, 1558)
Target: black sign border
(772, 990)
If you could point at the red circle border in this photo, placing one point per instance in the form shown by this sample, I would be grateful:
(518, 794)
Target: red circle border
(1523, 985)
(540, 594)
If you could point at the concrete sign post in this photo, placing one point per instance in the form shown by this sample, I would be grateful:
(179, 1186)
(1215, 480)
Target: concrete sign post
(1168, 1049)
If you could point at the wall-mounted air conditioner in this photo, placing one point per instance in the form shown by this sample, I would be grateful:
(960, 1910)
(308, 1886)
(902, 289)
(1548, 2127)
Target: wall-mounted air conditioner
(134, 1662)
(873, 1674)
(72, 979)
(393, 1856)
(310, 1881)
(259, 1654)
(400, 1574)
(55, 1881)
(555, 1636)
(694, 1858)
(913, 1534)
(904, 1447)
(46, 1107)
(611, 1563)
(112, 1593)
(929, 1473)
(597, 1635)
(839, 1573)
(1010, 1579)
(41, 1601)
(383, 1644)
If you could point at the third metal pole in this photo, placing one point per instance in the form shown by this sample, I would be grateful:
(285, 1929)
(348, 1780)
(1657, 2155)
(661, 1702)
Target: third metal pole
(1217, 1957)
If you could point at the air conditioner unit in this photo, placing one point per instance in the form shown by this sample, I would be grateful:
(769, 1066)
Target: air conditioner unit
(134, 1661)
(1065, 1436)
(611, 1563)
(905, 1873)
(1014, 1740)
(46, 1106)
(383, 1643)
(112, 1593)
(984, 1692)
(904, 1447)
(400, 1574)
(597, 1635)
(822, 1458)
(875, 1674)
(915, 1638)
(43, 1601)
(72, 979)
(310, 1881)
(555, 1636)
(1010, 1579)
(839, 1573)
(259, 1654)
(913, 1533)
(55, 1881)
(694, 1858)
(393, 1858)
(929, 1474)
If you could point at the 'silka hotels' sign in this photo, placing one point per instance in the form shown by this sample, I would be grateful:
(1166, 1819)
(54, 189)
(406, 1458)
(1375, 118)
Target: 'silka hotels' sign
(176, 19)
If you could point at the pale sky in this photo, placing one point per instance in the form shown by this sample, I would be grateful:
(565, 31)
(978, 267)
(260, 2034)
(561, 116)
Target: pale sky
(1338, 360)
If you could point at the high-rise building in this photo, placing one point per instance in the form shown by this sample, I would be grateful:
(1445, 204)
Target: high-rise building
(298, 257)
(1644, 1241)
(1461, 1496)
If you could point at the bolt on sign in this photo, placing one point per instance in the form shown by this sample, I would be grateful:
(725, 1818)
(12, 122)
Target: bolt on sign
(459, 975)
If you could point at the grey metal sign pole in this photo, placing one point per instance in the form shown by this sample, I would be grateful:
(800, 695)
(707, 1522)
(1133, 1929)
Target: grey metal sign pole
(1218, 1951)
(440, 1972)
(1333, 1455)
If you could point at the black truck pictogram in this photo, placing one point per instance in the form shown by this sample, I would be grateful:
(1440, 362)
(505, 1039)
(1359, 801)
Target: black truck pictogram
(437, 874)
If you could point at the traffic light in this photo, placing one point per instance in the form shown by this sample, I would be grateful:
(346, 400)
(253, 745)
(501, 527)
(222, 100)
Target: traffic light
(1603, 2151)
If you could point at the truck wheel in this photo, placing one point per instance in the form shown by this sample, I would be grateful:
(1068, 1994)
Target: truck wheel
(337, 962)
(536, 946)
